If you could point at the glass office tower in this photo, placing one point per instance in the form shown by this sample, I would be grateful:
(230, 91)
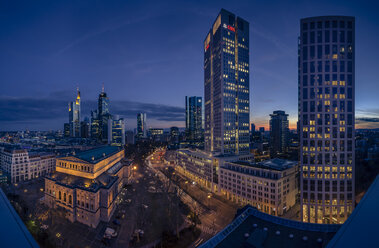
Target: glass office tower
(326, 118)
(194, 118)
(226, 85)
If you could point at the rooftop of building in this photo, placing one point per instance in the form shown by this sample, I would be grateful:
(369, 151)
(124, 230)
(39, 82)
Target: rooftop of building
(97, 154)
(252, 228)
(13, 232)
(105, 180)
(361, 229)
(195, 152)
(271, 164)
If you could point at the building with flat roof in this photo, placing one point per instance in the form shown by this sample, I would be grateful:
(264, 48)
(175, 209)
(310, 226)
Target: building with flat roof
(279, 133)
(252, 228)
(326, 118)
(226, 85)
(21, 165)
(270, 186)
(194, 118)
(87, 184)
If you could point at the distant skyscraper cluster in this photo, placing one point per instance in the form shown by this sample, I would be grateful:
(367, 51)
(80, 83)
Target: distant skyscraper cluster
(102, 126)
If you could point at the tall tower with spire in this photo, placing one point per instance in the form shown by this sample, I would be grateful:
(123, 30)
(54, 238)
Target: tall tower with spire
(74, 116)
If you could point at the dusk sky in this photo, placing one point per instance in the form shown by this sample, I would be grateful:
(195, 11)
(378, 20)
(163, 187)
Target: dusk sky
(149, 54)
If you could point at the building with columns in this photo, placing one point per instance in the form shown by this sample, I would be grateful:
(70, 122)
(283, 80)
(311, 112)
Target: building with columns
(86, 185)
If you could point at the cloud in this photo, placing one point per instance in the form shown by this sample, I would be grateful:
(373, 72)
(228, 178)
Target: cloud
(367, 119)
(51, 109)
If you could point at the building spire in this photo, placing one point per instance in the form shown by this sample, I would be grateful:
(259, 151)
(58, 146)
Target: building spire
(102, 88)
(78, 95)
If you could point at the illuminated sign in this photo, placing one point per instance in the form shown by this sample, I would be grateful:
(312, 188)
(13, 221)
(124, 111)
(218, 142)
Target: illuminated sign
(207, 47)
(229, 27)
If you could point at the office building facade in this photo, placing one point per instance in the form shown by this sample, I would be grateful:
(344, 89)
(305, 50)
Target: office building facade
(279, 133)
(326, 118)
(21, 165)
(270, 186)
(226, 85)
(194, 118)
(74, 116)
(141, 126)
(116, 131)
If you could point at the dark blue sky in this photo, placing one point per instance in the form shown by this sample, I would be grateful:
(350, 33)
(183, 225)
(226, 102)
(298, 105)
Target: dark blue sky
(149, 55)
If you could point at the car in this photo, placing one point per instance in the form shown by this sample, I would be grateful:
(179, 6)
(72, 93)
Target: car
(116, 222)
(110, 233)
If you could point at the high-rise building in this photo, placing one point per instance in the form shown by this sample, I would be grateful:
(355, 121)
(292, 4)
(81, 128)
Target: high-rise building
(174, 135)
(262, 130)
(252, 127)
(116, 131)
(95, 126)
(66, 130)
(103, 115)
(141, 125)
(279, 133)
(74, 116)
(85, 128)
(326, 118)
(226, 85)
(130, 137)
(194, 118)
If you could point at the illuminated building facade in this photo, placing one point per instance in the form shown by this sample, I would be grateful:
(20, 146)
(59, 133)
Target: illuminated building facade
(270, 186)
(326, 118)
(95, 125)
(103, 115)
(194, 118)
(226, 85)
(156, 134)
(279, 133)
(116, 131)
(66, 130)
(21, 165)
(85, 128)
(141, 125)
(87, 184)
(74, 116)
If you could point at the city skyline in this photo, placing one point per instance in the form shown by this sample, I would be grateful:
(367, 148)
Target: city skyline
(133, 81)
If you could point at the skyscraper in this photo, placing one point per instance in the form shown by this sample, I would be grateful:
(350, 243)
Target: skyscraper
(95, 126)
(226, 85)
(141, 125)
(85, 128)
(279, 133)
(194, 118)
(103, 115)
(74, 116)
(116, 131)
(326, 118)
